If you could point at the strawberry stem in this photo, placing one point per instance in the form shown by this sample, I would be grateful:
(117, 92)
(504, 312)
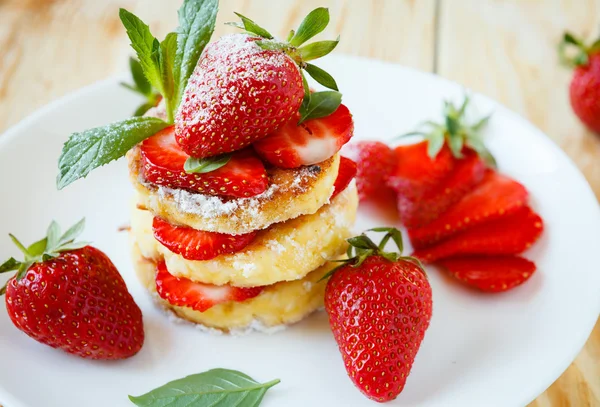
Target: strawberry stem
(574, 52)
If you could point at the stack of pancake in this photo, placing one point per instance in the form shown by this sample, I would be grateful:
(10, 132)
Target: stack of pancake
(301, 227)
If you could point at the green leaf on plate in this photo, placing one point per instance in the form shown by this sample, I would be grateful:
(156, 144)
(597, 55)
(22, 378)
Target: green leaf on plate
(321, 104)
(214, 388)
(204, 165)
(95, 147)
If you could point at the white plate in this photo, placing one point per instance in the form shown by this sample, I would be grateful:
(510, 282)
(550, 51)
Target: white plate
(493, 350)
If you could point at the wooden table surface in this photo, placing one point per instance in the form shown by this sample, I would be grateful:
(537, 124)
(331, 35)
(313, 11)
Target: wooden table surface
(505, 49)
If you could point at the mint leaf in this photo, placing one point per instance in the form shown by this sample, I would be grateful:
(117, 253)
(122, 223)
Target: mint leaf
(251, 27)
(321, 76)
(9, 265)
(204, 165)
(214, 388)
(317, 49)
(93, 148)
(142, 109)
(137, 73)
(196, 25)
(321, 104)
(144, 44)
(166, 63)
(314, 23)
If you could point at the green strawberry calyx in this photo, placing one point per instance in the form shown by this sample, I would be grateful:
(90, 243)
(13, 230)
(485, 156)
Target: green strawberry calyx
(325, 103)
(362, 246)
(45, 249)
(456, 131)
(574, 52)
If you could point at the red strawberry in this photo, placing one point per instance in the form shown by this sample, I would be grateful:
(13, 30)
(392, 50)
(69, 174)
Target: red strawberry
(379, 308)
(490, 274)
(376, 162)
(416, 173)
(467, 173)
(510, 234)
(70, 296)
(309, 143)
(346, 173)
(237, 94)
(184, 292)
(162, 164)
(194, 244)
(495, 196)
(585, 84)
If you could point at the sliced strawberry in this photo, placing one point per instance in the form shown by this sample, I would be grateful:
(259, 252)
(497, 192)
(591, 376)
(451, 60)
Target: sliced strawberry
(184, 292)
(497, 195)
(375, 161)
(466, 174)
(416, 173)
(346, 173)
(309, 143)
(490, 274)
(162, 159)
(510, 234)
(194, 244)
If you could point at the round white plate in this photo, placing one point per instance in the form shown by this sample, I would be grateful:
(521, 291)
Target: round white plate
(493, 350)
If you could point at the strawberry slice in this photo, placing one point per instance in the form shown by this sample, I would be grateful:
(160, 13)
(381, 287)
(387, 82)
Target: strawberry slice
(162, 164)
(184, 292)
(417, 211)
(194, 244)
(490, 274)
(416, 173)
(510, 234)
(497, 195)
(346, 173)
(375, 162)
(309, 143)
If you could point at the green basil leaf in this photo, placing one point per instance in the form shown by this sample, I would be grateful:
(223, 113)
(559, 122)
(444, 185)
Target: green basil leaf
(72, 233)
(196, 25)
(253, 28)
(36, 249)
(314, 23)
(215, 388)
(204, 165)
(317, 49)
(321, 76)
(144, 44)
(9, 265)
(93, 148)
(140, 81)
(321, 104)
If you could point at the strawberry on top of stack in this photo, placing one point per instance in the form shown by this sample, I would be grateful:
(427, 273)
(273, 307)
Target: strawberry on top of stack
(460, 212)
(236, 169)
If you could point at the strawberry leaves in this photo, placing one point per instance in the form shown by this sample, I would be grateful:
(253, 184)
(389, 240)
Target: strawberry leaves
(314, 23)
(573, 51)
(216, 387)
(95, 147)
(251, 27)
(319, 104)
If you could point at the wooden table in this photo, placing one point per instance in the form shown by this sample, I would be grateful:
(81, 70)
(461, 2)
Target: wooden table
(503, 48)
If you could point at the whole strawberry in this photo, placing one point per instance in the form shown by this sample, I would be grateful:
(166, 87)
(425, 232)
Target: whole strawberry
(246, 86)
(379, 307)
(70, 296)
(585, 84)
(375, 162)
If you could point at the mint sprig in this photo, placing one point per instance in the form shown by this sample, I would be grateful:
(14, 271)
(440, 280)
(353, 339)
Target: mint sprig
(141, 86)
(44, 249)
(204, 165)
(95, 147)
(215, 388)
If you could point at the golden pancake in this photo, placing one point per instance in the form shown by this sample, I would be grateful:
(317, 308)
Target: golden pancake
(283, 252)
(279, 304)
(291, 193)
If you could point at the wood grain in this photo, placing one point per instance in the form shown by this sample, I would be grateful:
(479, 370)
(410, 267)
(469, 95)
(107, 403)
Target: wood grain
(502, 48)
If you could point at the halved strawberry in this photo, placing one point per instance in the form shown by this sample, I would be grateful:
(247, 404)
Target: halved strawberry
(346, 173)
(416, 173)
(497, 195)
(309, 143)
(510, 234)
(490, 274)
(375, 161)
(162, 164)
(194, 244)
(420, 210)
(184, 292)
